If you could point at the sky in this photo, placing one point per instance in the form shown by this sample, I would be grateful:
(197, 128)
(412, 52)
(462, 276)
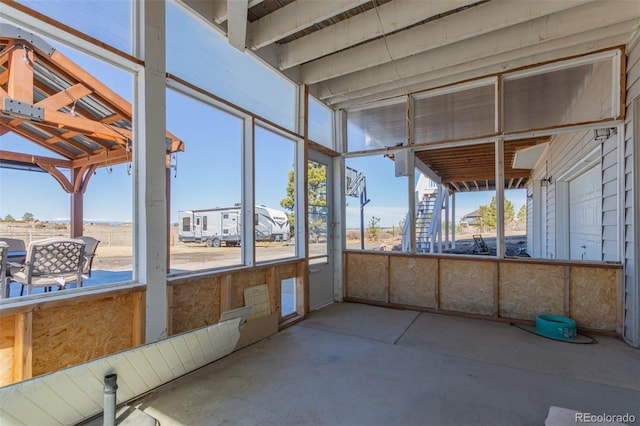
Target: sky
(209, 172)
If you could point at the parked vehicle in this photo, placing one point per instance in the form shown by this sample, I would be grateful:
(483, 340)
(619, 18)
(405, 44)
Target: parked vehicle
(224, 224)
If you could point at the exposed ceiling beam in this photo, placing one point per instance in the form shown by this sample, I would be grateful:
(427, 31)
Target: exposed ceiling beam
(215, 10)
(208, 9)
(427, 171)
(448, 61)
(237, 23)
(459, 70)
(294, 17)
(384, 19)
(453, 28)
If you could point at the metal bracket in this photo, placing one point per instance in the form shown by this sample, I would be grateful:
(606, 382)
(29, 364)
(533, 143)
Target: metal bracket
(8, 30)
(22, 109)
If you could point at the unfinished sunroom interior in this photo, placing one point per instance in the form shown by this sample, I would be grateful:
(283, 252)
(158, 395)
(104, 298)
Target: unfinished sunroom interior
(356, 136)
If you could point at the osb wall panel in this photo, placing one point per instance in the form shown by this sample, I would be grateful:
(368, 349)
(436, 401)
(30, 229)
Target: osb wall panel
(289, 270)
(367, 276)
(413, 281)
(593, 297)
(242, 280)
(527, 291)
(7, 339)
(196, 303)
(467, 286)
(71, 334)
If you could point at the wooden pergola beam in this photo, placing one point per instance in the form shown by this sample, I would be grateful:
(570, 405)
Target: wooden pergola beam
(68, 67)
(65, 97)
(34, 159)
(36, 139)
(20, 84)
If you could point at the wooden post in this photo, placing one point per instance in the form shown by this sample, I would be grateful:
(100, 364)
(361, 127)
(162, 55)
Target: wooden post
(225, 292)
(496, 289)
(273, 287)
(567, 300)
(302, 288)
(137, 320)
(436, 287)
(23, 356)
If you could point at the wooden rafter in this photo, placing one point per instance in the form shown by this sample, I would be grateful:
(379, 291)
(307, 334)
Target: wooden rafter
(473, 166)
(62, 114)
(35, 138)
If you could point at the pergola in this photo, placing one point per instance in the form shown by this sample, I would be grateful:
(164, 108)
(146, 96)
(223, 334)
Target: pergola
(51, 101)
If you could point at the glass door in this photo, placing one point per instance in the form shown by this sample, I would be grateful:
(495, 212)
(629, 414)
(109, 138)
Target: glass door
(319, 218)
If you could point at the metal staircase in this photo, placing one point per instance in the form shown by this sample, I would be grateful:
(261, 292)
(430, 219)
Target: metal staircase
(430, 200)
(424, 216)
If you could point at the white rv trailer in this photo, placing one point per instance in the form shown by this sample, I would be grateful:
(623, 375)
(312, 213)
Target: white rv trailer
(223, 225)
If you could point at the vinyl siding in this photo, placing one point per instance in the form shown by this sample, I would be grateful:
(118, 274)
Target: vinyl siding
(631, 298)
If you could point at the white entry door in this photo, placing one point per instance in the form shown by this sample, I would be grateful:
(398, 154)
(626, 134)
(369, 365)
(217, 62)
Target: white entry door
(585, 216)
(319, 218)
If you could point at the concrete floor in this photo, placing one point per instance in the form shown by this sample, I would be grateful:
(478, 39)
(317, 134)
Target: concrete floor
(352, 364)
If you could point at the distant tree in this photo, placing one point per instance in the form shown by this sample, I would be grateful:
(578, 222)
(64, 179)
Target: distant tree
(489, 213)
(317, 180)
(373, 230)
(509, 211)
(27, 217)
(521, 217)
(9, 218)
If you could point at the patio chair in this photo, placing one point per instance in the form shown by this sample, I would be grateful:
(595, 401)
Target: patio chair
(51, 262)
(90, 246)
(15, 245)
(4, 284)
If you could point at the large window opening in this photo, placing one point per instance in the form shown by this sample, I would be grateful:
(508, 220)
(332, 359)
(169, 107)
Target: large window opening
(206, 186)
(68, 173)
(275, 189)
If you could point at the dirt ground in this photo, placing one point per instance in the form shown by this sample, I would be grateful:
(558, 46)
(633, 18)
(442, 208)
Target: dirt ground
(115, 250)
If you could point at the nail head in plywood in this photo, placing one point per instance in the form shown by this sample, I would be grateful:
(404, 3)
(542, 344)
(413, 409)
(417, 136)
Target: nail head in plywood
(367, 276)
(594, 297)
(413, 281)
(527, 291)
(466, 286)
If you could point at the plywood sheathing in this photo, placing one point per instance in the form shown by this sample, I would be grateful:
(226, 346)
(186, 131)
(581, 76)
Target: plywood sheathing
(527, 291)
(67, 335)
(280, 273)
(592, 297)
(7, 339)
(240, 281)
(368, 277)
(196, 304)
(467, 286)
(413, 281)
